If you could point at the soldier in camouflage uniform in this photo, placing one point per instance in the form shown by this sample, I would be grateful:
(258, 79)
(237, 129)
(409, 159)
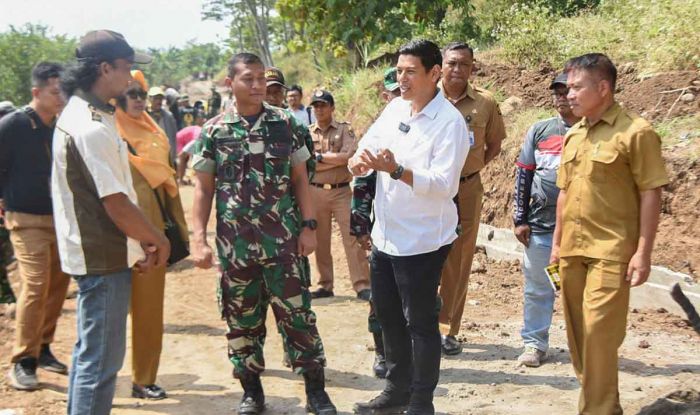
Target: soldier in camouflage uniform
(7, 296)
(361, 226)
(254, 158)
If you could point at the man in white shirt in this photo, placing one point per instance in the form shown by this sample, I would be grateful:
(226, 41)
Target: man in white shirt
(417, 145)
(101, 232)
(301, 113)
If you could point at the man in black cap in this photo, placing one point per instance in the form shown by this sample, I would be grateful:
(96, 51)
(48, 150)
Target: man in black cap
(276, 89)
(334, 144)
(101, 232)
(534, 218)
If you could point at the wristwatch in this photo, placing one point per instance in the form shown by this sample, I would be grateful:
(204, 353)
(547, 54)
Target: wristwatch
(396, 174)
(319, 157)
(309, 223)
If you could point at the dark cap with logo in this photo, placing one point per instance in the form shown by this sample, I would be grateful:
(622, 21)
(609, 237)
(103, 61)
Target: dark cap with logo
(274, 76)
(106, 45)
(322, 96)
(559, 80)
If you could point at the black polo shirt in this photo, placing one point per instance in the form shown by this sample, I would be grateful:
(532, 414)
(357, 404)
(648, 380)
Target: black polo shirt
(25, 162)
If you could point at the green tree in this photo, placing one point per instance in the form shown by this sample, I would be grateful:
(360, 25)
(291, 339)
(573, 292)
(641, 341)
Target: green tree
(244, 15)
(172, 65)
(23, 47)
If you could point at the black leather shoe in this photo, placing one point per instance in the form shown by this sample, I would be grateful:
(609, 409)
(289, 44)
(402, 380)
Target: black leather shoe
(322, 293)
(379, 367)
(384, 404)
(253, 400)
(364, 295)
(152, 392)
(48, 361)
(451, 346)
(317, 400)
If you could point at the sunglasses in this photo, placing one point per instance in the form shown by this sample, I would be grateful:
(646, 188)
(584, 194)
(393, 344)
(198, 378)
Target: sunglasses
(136, 94)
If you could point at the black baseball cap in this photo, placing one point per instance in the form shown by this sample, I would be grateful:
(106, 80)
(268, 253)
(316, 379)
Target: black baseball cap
(106, 45)
(322, 96)
(559, 80)
(274, 76)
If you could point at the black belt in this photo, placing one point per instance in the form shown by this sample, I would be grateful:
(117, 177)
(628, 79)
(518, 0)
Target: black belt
(467, 177)
(329, 186)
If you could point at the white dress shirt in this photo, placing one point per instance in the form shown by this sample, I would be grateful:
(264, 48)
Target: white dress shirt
(423, 218)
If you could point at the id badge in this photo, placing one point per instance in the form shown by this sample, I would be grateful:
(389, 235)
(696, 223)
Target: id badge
(471, 138)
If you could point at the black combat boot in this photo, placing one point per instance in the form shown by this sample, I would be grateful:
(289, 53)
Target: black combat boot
(253, 401)
(379, 366)
(317, 400)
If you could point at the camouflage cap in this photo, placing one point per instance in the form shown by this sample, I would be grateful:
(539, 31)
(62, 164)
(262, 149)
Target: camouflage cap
(390, 82)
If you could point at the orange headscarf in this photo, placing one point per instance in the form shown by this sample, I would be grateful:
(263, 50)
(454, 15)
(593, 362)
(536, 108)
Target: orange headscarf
(150, 143)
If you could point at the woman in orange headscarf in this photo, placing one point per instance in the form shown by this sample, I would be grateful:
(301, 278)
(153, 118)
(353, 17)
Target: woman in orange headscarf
(153, 179)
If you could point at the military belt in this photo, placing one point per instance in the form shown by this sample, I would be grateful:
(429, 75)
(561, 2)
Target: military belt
(467, 177)
(329, 186)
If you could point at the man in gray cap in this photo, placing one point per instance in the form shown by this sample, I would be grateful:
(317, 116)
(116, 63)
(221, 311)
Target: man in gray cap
(163, 117)
(534, 218)
(101, 232)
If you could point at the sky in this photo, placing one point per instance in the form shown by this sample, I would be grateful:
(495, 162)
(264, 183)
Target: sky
(144, 23)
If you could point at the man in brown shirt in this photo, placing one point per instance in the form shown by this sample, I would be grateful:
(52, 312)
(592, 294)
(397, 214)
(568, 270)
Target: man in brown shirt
(486, 131)
(334, 144)
(608, 209)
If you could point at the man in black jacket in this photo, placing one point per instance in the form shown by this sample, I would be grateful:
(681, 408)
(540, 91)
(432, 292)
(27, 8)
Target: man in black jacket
(25, 171)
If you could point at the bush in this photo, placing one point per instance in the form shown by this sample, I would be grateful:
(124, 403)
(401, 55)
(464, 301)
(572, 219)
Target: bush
(657, 34)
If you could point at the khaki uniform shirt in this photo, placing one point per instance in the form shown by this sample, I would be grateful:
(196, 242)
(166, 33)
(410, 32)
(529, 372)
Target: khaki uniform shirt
(484, 120)
(337, 138)
(603, 169)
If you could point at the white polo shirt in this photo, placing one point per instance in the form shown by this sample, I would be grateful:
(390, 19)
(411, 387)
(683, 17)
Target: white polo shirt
(90, 162)
(423, 218)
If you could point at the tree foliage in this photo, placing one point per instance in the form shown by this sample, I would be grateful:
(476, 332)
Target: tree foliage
(23, 47)
(251, 24)
(172, 65)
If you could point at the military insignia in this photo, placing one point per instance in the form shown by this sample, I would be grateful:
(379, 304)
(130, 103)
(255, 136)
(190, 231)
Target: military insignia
(319, 94)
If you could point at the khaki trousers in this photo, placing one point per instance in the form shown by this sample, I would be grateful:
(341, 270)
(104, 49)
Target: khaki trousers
(44, 285)
(147, 295)
(595, 297)
(455, 274)
(335, 203)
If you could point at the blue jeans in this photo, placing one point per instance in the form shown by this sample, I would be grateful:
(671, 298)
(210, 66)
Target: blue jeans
(103, 304)
(539, 295)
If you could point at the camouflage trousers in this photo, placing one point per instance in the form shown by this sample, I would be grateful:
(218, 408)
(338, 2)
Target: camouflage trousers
(7, 296)
(244, 297)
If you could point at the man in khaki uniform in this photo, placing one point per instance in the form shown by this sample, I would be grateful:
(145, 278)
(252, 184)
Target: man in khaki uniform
(608, 209)
(486, 131)
(334, 144)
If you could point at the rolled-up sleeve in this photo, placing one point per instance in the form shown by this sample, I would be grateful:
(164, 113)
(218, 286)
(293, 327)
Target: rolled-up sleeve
(203, 157)
(441, 178)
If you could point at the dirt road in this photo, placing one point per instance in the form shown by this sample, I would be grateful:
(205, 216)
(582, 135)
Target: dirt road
(482, 380)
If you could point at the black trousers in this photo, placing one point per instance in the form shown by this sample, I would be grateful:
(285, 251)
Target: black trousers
(404, 291)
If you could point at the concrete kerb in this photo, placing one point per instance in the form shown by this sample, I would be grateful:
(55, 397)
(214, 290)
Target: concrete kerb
(501, 244)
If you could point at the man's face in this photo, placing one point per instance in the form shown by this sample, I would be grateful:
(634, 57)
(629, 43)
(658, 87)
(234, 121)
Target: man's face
(118, 75)
(156, 103)
(457, 67)
(294, 99)
(49, 97)
(248, 84)
(587, 92)
(414, 79)
(275, 95)
(323, 111)
(560, 101)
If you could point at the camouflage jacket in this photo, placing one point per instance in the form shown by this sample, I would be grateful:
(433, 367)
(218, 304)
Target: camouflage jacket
(257, 215)
(361, 205)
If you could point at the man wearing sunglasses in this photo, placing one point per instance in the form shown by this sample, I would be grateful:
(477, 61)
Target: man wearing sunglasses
(534, 217)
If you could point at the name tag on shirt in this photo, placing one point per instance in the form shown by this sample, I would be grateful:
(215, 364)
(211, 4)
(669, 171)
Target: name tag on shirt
(471, 138)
